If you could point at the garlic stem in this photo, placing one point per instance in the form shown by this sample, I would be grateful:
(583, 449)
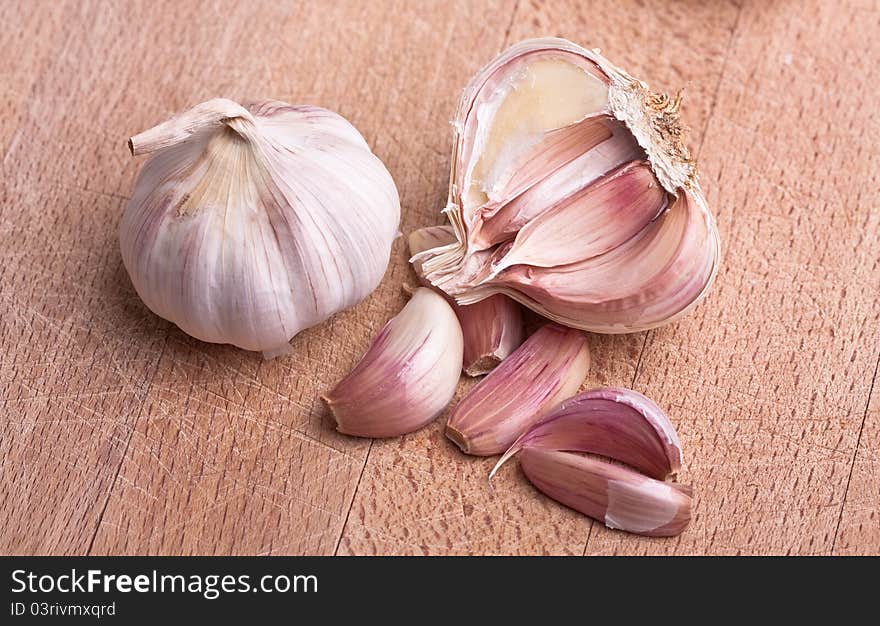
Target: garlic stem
(210, 114)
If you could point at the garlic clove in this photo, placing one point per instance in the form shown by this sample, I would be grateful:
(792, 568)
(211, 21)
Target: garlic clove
(618, 423)
(407, 376)
(556, 149)
(492, 328)
(621, 498)
(652, 279)
(598, 219)
(518, 186)
(251, 223)
(611, 147)
(549, 366)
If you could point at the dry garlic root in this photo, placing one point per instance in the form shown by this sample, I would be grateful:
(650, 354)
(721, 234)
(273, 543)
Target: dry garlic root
(250, 224)
(573, 193)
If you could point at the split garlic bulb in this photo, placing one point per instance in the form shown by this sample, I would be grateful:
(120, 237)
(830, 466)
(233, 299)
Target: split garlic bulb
(573, 193)
(250, 224)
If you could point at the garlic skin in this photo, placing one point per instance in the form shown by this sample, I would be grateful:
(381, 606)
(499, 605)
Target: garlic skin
(572, 192)
(407, 376)
(251, 223)
(492, 328)
(428, 237)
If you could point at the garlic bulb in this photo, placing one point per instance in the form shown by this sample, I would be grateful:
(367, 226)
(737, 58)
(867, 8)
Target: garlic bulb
(572, 192)
(250, 224)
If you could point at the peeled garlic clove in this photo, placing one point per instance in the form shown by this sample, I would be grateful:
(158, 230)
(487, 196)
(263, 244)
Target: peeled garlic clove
(618, 423)
(407, 376)
(562, 167)
(492, 328)
(251, 223)
(549, 366)
(614, 494)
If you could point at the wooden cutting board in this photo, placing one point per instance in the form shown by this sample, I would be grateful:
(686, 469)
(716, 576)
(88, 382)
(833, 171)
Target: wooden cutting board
(120, 434)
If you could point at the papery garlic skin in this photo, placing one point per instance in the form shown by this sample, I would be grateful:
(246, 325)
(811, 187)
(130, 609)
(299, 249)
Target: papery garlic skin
(549, 366)
(251, 223)
(492, 328)
(429, 237)
(407, 376)
(537, 131)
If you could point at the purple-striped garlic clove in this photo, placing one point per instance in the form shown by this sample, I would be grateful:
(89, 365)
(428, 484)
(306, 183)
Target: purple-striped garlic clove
(492, 328)
(614, 422)
(651, 279)
(591, 222)
(572, 192)
(617, 424)
(549, 366)
(614, 494)
(594, 161)
(407, 376)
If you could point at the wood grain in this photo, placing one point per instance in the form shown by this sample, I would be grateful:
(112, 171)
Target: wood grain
(120, 434)
(858, 531)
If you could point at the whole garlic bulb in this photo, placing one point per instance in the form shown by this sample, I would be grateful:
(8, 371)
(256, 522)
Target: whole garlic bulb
(250, 224)
(572, 192)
